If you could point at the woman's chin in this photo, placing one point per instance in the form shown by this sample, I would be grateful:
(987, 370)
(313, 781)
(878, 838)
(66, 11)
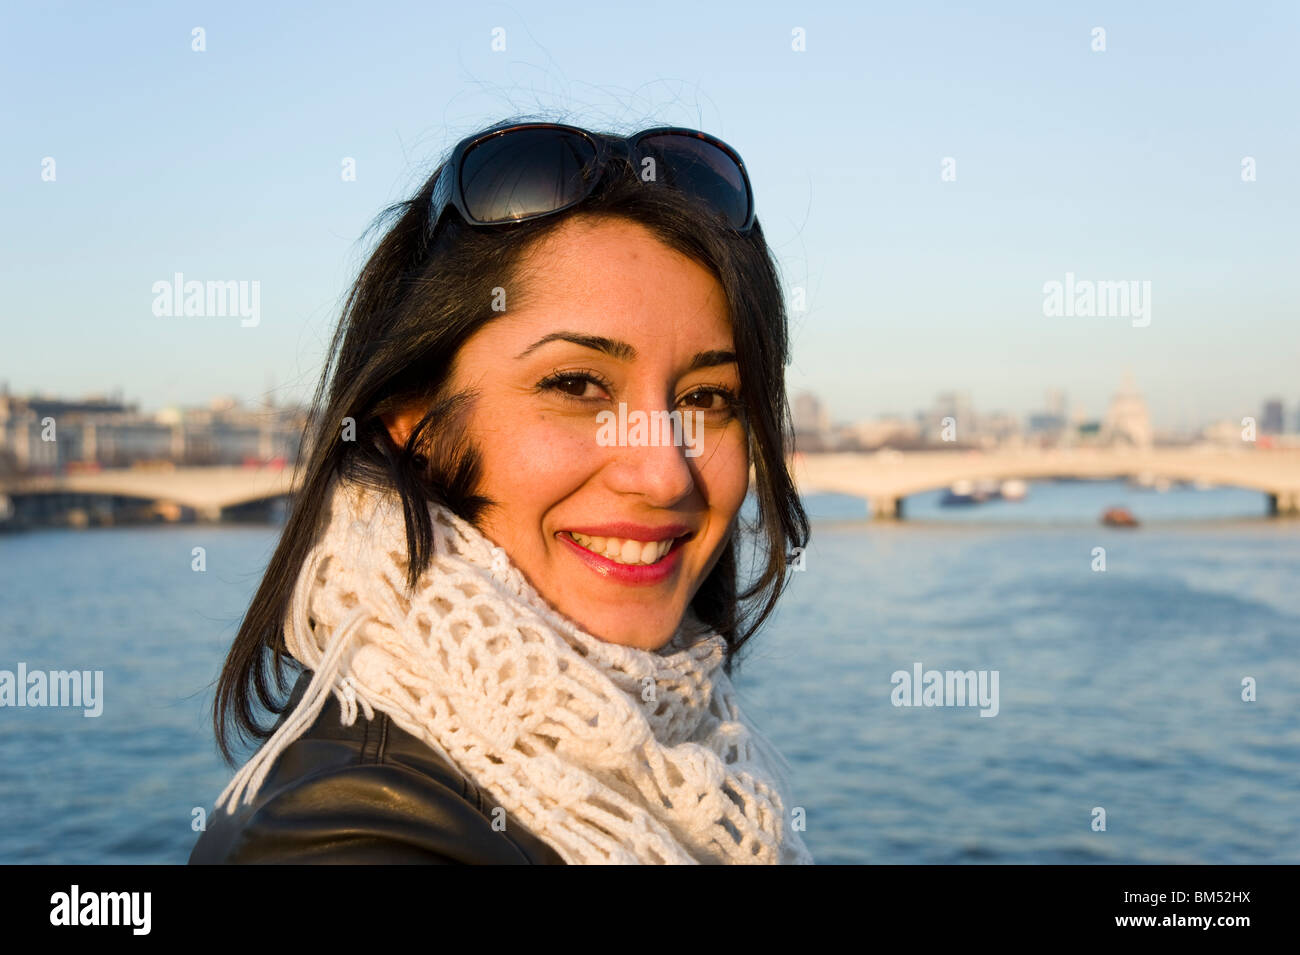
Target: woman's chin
(628, 628)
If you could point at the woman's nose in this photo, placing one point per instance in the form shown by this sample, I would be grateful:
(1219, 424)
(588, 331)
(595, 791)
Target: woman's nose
(652, 452)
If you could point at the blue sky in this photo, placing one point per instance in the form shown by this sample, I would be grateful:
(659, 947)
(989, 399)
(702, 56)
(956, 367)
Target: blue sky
(1115, 165)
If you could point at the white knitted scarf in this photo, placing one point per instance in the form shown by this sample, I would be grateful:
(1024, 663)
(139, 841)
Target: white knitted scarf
(609, 753)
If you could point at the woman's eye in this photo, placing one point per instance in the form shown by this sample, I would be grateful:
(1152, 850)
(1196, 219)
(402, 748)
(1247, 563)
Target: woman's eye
(706, 400)
(582, 386)
(574, 385)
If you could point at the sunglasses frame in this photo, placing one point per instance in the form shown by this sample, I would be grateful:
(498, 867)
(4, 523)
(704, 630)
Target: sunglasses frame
(447, 191)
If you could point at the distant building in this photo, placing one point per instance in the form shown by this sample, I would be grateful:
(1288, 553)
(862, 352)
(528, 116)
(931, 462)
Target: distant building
(885, 431)
(1051, 426)
(812, 423)
(954, 405)
(1271, 421)
(1046, 425)
(1127, 421)
(999, 429)
(21, 447)
(1226, 433)
(810, 415)
(46, 435)
(958, 406)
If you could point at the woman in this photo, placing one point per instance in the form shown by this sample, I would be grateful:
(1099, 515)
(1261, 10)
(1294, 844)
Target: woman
(531, 595)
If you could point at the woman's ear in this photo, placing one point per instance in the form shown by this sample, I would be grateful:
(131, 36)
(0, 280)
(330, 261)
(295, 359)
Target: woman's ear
(401, 423)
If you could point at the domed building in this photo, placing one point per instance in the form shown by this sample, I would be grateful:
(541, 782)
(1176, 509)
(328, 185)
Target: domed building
(1128, 423)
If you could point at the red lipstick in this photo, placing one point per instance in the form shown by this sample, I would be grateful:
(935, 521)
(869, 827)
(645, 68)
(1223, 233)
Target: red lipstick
(634, 574)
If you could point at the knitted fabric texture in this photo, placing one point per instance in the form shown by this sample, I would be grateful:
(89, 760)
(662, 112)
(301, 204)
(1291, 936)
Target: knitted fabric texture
(609, 753)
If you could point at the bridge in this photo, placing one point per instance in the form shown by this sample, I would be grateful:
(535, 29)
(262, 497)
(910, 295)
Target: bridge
(885, 478)
(207, 492)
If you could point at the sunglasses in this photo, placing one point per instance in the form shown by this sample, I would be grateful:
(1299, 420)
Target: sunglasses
(530, 170)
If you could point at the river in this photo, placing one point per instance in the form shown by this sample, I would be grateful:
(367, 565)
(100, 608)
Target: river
(1119, 689)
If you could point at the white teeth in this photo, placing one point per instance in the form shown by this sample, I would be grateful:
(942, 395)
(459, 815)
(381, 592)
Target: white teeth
(624, 551)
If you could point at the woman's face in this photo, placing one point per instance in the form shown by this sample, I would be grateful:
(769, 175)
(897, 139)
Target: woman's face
(608, 315)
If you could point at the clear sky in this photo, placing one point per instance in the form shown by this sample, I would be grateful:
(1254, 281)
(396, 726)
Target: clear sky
(1122, 164)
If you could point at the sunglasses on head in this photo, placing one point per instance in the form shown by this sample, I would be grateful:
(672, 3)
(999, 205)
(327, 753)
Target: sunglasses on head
(530, 170)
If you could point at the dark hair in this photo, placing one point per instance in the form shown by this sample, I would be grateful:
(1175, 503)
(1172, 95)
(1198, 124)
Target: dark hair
(412, 307)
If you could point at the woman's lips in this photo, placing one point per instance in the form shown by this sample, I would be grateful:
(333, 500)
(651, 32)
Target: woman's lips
(654, 573)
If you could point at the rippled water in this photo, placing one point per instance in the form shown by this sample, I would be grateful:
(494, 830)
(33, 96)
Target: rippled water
(1119, 690)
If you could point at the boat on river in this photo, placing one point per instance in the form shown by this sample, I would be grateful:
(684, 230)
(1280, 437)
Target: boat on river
(1119, 517)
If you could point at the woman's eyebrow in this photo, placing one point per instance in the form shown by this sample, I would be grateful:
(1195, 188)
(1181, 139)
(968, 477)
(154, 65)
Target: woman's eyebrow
(620, 350)
(625, 352)
(713, 358)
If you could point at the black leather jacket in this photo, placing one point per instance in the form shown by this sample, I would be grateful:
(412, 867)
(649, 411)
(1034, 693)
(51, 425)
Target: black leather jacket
(366, 793)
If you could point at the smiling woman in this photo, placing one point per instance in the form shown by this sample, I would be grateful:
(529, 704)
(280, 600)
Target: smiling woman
(537, 623)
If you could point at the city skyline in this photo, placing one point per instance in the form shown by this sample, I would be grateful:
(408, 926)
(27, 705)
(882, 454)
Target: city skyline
(1184, 420)
(1056, 412)
(1272, 415)
(1290, 406)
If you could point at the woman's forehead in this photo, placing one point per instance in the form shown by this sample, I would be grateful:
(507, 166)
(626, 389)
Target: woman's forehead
(588, 249)
(613, 278)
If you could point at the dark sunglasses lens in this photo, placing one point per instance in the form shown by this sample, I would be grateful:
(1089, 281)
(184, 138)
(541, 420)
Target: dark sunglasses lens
(525, 172)
(701, 169)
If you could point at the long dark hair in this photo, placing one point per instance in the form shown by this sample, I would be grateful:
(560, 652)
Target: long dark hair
(412, 307)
